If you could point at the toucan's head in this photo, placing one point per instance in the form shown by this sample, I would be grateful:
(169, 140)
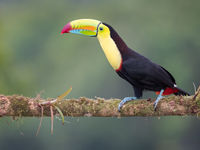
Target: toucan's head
(88, 27)
(109, 40)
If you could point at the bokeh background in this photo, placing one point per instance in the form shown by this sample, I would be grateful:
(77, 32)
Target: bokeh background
(35, 58)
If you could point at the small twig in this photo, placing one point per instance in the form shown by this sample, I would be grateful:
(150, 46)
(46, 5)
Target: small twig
(61, 114)
(196, 93)
(51, 110)
(41, 118)
(195, 88)
(38, 96)
(51, 103)
(59, 98)
(64, 94)
(48, 102)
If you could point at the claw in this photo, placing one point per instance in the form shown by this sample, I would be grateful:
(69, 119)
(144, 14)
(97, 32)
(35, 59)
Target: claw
(158, 99)
(126, 99)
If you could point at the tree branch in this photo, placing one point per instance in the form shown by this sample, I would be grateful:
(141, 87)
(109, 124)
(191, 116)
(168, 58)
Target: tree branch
(173, 105)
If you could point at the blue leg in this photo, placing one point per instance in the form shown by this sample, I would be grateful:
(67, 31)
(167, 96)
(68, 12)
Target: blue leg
(158, 99)
(126, 99)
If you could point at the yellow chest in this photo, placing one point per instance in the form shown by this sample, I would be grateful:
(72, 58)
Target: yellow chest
(111, 51)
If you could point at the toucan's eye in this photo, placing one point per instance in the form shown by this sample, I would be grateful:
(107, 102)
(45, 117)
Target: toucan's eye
(101, 28)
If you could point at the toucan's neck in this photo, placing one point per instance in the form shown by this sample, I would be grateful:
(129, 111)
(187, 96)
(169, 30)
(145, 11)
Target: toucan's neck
(114, 48)
(121, 45)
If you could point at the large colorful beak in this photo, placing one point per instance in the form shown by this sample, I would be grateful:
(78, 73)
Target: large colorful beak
(82, 26)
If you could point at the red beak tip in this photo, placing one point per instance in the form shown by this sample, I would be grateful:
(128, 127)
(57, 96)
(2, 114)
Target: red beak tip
(66, 28)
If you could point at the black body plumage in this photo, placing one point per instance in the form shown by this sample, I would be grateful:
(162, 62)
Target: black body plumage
(141, 72)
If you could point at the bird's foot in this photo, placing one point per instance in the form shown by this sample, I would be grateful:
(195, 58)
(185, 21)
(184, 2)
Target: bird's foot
(126, 99)
(158, 99)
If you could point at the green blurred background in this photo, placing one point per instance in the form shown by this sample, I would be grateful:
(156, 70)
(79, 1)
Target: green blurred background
(35, 58)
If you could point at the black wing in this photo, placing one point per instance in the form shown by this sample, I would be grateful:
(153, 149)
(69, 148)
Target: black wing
(143, 73)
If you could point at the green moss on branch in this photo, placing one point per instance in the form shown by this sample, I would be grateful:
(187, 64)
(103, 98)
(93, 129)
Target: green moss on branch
(173, 105)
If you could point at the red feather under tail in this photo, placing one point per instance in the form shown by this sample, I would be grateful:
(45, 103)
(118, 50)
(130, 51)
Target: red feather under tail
(175, 91)
(168, 91)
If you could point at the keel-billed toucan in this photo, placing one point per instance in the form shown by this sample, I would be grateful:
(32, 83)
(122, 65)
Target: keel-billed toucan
(138, 70)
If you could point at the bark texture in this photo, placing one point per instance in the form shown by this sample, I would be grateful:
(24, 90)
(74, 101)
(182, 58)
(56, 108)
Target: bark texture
(16, 105)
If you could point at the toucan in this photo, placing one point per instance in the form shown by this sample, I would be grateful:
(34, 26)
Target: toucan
(139, 71)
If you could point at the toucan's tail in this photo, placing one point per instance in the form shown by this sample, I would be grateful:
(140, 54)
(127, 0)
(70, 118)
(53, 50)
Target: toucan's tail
(181, 92)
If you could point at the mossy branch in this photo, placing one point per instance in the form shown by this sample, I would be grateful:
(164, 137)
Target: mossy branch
(173, 105)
